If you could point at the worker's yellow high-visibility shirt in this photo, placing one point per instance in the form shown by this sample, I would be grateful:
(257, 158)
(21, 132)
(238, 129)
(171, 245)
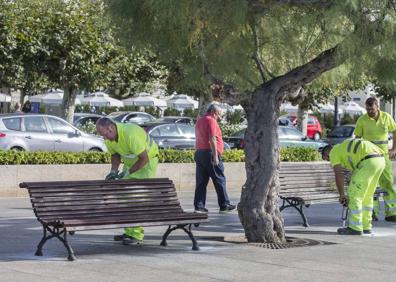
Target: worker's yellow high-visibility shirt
(132, 141)
(376, 131)
(350, 152)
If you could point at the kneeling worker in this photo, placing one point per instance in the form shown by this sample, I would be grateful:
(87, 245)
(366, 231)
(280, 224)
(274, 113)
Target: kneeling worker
(366, 162)
(129, 143)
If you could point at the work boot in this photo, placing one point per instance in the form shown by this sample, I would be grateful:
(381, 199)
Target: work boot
(348, 231)
(120, 237)
(127, 240)
(391, 218)
(227, 208)
(368, 231)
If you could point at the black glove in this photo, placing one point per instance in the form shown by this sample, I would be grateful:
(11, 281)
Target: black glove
(122, 174)
(343, 201)
(112, 175)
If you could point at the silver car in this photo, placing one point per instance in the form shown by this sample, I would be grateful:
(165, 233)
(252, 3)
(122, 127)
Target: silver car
(40, 132)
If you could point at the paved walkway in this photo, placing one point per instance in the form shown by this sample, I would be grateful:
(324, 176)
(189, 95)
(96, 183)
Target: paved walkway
(358, 258)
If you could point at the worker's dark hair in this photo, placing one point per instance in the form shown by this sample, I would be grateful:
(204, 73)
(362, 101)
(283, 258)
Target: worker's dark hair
(105, 122)
(371, 101)
(325, 149)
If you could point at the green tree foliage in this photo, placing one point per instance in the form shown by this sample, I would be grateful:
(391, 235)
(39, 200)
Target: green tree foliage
(133, 72)
(69, 45)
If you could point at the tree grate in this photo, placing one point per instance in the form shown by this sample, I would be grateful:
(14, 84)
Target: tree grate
(291, 242)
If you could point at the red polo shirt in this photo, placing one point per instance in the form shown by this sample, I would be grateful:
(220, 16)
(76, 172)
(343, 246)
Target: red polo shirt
(206, 127)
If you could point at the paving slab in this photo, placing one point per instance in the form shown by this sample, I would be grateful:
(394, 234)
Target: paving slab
(349, 258)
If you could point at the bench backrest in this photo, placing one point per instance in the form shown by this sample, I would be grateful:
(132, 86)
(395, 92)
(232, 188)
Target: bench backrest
(69, 200)
(312, 182)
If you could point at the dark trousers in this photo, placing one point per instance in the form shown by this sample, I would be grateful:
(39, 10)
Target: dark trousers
(205, 170)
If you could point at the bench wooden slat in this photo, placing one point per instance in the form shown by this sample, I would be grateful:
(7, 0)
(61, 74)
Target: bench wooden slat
(109, 189)
(105, 207)
(121, 220)
(104, 198)
(108, 214)
(142, 224)
(107, 202)
(94, 183)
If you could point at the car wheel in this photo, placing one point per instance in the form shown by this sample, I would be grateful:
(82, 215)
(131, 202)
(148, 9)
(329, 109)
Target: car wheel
(95, 150)
(17, 149)
(316, 136)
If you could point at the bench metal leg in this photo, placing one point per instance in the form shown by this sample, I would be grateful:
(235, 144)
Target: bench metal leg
(188, 231)
(55, 232)
(298, 204)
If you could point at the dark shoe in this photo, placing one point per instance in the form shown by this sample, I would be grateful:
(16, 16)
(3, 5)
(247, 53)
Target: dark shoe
(391, 218)
(201, 210)
(348, 231)
(127, 240)
(227, 208)
(131, 241)
(367, 231)
(120, 237)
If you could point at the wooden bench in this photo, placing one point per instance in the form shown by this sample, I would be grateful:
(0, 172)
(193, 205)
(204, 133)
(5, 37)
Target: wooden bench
(64, 207)
(303, 184)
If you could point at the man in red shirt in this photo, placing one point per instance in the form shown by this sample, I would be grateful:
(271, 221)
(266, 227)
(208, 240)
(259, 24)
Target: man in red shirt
(209, 147)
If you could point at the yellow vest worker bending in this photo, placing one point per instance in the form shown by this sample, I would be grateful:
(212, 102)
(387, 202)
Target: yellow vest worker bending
(130, 144)
(366, 162)
(375, 126)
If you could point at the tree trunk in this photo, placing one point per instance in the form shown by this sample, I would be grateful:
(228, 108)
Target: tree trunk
(68, 103)
(302, 116)
(204, 102)
(258, 209)
(22, 96)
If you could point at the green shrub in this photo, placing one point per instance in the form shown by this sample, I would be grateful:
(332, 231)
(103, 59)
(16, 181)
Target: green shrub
(193, 113)
(172, 112)
(230, 129)
(299, 154)
(165, 156)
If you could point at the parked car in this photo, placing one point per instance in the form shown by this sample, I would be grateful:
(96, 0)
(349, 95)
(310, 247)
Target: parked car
(134, 117)
(171, 135)
(288, 137)
(284, 121)
(82, 119)
(174, 119)
(314, 129)
(40, 132)
(340, 133)
(346, 131)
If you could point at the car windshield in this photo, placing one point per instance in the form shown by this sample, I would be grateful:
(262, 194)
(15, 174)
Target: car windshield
(342, 131)
(115, 114)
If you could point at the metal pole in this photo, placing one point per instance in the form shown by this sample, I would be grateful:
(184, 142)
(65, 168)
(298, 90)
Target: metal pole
(336, 120)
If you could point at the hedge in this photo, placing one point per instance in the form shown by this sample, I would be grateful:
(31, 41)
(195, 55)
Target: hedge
(165, 156)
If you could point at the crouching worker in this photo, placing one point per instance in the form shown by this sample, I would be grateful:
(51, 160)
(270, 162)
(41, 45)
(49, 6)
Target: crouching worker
(130, 144)
(366, 162)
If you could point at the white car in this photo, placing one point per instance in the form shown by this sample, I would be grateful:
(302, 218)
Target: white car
(41, 132)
